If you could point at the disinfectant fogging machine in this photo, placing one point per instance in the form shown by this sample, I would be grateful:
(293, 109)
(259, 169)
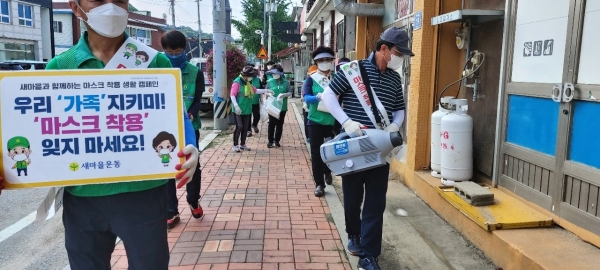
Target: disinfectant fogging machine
(345, 155)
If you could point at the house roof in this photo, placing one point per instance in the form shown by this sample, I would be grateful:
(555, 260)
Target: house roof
(287, 51)
(132, 16)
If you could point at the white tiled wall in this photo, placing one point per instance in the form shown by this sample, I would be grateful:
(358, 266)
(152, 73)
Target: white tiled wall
(18, 33)
(66, 37)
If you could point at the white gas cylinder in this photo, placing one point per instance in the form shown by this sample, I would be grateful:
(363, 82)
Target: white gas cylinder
(436, 121)
(457, 144)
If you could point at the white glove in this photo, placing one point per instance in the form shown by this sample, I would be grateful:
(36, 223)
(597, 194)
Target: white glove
(238, 111)
(319, 95)
(304, 106)
(269, 92)
(393, 127)
(190, 153)
(280, 97)
(353, 128)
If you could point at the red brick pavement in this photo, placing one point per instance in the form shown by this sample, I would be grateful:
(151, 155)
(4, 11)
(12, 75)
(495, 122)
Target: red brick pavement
(260, 211)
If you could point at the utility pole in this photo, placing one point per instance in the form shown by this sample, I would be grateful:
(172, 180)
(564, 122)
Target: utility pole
(221, 94)
(200, 51)
(173, 11)
(270, 10)
(264, 30)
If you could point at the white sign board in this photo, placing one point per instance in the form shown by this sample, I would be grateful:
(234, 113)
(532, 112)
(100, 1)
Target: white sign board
(540, 38)
(590, 55)
(72, 127)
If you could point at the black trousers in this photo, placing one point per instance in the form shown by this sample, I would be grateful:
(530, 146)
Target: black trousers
(92, 225)
(192, 189)
(306, 131)
(197, 136)
(242, 125)
(374, 184)
(318, 135)
(255, 115)
(276, 127)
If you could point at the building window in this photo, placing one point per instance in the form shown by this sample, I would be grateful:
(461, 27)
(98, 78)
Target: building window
(16, 51)
(57, 27)
(340, 36)
(4, 12)
(25, 15)
(142, 35)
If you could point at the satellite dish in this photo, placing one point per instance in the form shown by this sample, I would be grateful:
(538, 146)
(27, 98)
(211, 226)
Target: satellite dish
(165, 16)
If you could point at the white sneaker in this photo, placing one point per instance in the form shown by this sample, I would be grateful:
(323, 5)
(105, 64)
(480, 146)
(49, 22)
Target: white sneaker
(236, 148)
(245, 148)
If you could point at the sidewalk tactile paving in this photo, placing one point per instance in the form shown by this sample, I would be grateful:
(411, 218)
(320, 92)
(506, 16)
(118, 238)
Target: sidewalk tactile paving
(260, 211)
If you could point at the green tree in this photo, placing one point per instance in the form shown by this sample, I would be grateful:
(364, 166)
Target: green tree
(253, 12)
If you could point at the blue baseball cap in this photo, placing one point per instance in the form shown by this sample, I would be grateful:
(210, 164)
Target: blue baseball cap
(399, 38)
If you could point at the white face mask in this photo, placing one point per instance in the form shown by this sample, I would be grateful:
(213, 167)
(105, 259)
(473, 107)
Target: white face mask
(250, 79)
(276, 76)
(164, 151)
(108, 20)
(20, 157)
(324, 66)
(395, 62)
(269, 67)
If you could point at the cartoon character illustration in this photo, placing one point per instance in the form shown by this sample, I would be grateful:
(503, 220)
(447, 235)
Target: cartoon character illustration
(130, 49)
(354, 66)
(19, 150)
(141, 57)
(164, 143)
(347, 69)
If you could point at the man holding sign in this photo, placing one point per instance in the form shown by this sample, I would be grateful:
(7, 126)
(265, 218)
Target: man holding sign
(95, 215)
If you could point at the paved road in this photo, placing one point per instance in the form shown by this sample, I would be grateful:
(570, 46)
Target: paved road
(39, 245)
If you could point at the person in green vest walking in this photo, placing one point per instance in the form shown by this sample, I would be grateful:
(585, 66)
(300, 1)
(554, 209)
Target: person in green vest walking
(255, 116)
(192, 79)
(242, 93)
(320, 122)
(94, 215)
(281, 90)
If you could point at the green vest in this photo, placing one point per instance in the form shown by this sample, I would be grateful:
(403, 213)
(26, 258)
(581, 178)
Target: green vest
(256, 98)
(319, 117)
(22, 164)
(243, 101)
(279, 86)
(189, 75)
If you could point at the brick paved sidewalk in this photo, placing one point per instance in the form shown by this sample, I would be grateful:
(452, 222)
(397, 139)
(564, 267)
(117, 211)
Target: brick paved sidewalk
(260, 211)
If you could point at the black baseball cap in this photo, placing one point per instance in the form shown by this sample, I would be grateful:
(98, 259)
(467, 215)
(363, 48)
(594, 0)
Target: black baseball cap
(399, 38)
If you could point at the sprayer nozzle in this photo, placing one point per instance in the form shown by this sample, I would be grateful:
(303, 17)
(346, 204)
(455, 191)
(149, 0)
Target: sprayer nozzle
(396, 138)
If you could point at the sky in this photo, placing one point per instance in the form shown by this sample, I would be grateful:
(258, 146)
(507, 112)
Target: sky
(186, 12)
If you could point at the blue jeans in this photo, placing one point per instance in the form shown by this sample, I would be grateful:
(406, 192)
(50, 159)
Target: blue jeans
(374, 184)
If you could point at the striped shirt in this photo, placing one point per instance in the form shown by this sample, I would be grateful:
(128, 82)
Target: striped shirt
(387, 87)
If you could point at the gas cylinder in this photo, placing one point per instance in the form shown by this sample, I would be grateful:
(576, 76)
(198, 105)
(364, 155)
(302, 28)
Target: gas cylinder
(457, 144)
(436, 121)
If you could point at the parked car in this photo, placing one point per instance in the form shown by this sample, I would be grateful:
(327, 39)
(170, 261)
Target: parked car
(10, 66)
(28, 64)
(207, 96)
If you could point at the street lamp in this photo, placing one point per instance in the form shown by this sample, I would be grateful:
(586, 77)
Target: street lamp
(262, 36)
(271, 7)
(303, 38)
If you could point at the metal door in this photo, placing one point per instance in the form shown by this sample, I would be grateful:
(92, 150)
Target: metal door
(550, 111)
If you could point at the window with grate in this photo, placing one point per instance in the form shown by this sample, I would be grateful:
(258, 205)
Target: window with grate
(57, 26)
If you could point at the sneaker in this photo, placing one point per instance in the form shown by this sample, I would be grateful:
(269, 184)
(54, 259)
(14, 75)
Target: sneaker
(270, 145)
(196, 209)
(328, 179)
(354, 244)
(255, 129)
(368, 264)
(172, 220)
(319, 191)
(236, 148)
(245, 148)
(277, 144)
(249, 134)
